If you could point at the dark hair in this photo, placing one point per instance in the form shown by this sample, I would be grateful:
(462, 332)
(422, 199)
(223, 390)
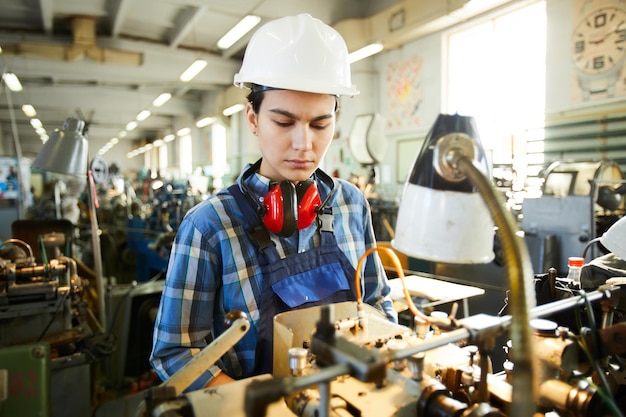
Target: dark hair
(255, 97)
(257, 93)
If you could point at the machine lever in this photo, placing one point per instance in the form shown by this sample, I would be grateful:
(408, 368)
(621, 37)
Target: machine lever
(210, 354)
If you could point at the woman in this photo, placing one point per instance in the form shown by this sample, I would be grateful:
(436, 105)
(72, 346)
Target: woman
(286, 235)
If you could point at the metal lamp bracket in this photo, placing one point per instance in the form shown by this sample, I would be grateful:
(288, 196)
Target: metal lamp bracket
(449, 149)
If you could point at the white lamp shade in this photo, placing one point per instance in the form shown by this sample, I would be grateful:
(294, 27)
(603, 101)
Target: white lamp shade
(442, 217)
(614, 239)
(444, 226)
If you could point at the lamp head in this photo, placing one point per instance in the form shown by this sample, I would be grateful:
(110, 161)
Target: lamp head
(442, 217)
(66, 152)
(614, 239)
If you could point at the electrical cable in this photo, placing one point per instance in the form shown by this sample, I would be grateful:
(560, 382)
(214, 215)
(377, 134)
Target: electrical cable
(419, 316)
(45, 330)
(603, 390)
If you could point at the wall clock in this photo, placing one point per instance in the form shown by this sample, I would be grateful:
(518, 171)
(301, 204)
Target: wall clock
(599, 48)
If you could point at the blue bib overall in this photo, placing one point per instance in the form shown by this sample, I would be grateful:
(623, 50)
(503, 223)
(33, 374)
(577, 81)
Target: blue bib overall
(321, 275)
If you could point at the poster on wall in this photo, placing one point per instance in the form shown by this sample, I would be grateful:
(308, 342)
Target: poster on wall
(598, 46)
(404, 93)
(8, 178)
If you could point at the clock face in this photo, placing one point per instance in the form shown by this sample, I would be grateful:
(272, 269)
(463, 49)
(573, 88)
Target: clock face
(599, 40)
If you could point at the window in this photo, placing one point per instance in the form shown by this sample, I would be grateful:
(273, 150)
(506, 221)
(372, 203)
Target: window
(496, 73)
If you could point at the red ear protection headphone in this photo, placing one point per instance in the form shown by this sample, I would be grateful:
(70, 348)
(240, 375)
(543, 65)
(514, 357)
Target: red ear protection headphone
(289, 207)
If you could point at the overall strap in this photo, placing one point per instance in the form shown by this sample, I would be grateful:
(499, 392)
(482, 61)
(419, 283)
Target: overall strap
(257, 232)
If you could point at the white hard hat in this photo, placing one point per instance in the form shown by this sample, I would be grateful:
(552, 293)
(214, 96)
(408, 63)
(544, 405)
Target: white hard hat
(297, 53)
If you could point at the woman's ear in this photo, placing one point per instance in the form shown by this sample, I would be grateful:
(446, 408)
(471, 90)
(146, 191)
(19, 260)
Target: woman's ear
(251, 118)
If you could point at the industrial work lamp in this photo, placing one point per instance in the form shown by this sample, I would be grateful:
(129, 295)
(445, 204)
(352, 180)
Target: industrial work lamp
(442, 217)
(447, 213)
(66, 152)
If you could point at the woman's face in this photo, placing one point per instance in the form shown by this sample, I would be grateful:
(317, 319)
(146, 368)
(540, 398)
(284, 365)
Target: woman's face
(294, 130)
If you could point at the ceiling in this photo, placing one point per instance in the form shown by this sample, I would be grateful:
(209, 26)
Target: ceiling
(106, 60)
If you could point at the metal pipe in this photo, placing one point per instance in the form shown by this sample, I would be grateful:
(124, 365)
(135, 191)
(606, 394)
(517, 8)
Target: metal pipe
(97, 252)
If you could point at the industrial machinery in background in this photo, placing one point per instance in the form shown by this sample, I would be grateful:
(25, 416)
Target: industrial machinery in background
(46, 308)
(53, 347)
(579, 202)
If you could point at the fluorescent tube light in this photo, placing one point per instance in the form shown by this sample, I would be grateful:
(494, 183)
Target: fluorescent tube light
(364, 52)
(161, 99)
(193, 70)
(29, 110)
(131, 125)
(229, 111)
(184, 131)
(205, 121)
(244, 26)
(143, 115)
(36, 123)
(169, 138)
(12, 81)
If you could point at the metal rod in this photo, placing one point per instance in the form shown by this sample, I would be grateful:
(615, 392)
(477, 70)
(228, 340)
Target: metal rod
(97, 252)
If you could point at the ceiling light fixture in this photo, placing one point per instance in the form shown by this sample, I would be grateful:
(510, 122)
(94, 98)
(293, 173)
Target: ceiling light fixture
(29, 110)
(193, 70)
(131, 125)
(12, 81)
(365, 52)
(205, 121)
(36, 123)
(143, 115)
(238, 31)
(161, 99)
(169, 138)
(229, 111)
(184, 131)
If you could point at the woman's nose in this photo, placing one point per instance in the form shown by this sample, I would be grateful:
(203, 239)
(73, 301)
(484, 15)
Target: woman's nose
(302, 139)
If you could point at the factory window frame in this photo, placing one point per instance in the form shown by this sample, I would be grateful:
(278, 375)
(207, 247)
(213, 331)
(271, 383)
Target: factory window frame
(496, 73)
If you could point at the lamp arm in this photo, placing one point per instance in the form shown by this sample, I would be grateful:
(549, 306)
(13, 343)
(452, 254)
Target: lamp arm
(518, 266)
(97, 252)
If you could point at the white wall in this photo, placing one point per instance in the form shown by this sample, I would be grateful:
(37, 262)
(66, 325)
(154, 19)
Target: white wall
(404, 86)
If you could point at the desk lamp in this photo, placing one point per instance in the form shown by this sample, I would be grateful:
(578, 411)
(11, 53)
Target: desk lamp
(447, 214)
(66, 152)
